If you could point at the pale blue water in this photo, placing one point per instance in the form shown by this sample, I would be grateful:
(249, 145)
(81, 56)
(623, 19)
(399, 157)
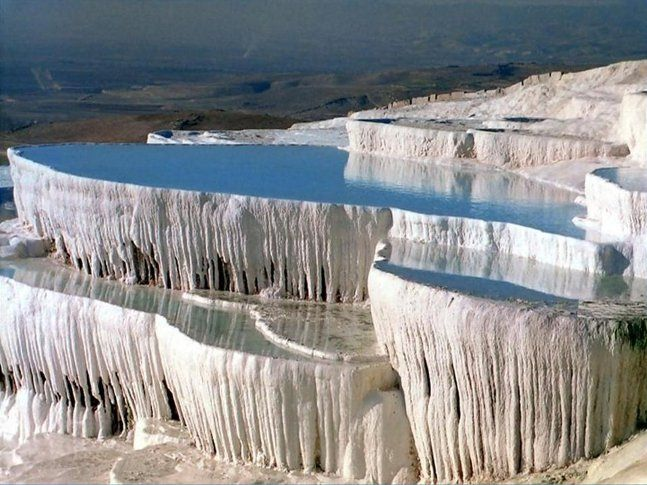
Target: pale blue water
(497, 276)
(314, 174)
(229, 329)
(633, 179)
(328, 328)
(472, 285)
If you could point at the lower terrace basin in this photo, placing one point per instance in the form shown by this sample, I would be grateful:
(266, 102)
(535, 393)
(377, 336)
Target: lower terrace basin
(616, 201)
(501, 378)
(296, 220)
(87, 357)
(501, 276)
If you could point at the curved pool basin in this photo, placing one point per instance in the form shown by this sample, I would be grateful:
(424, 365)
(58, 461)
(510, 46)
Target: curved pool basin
(228, 329)
(290, 220)
(320, 174)
(96, 356)
(500, 276)
(224, 323)
(632, 179)
(616, 201)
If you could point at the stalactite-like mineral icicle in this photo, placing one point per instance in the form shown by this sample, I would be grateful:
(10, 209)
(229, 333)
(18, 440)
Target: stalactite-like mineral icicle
(494, 388)
(71, 364)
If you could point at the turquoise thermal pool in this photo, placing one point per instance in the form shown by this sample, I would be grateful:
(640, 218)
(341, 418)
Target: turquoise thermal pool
(633, 179)
(228, 328)
(324, 175)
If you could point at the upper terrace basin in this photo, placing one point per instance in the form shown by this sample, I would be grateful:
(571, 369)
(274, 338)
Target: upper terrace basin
(496, 276)
(319, 174)
(297, 220)
(633, 179)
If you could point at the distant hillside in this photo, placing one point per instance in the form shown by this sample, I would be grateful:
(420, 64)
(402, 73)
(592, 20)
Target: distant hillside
(134, 128)
(73, 92)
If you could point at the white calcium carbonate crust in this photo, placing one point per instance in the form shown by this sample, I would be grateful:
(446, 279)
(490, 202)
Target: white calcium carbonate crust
(597, 113)
(188, 240)
(496, 388)
(614, 209)
(88, 368)
(191, 240)
(408, 141)
(633, 124)
(506, 238)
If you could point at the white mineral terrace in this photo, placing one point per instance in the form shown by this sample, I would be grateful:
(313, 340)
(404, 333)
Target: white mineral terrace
(97, 354)
(482, 256)
(496, 388)
(598, 113)
(243, 201)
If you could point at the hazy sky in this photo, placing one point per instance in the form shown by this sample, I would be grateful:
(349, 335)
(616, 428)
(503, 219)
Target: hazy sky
(321, 35)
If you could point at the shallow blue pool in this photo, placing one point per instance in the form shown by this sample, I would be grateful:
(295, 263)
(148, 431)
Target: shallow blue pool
(633, 179)
(502, 276)
(322, 174)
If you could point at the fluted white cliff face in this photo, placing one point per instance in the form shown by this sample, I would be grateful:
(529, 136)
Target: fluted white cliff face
(505, 238)
(82, 366)
(633, 124)
(511, 149)
(408, 141)
(496, 388)
(515, 150)
(288, 414)
(188, 240)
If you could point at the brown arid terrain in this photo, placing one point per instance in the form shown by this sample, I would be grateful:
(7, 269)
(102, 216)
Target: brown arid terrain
(134, 128)
(60, 111)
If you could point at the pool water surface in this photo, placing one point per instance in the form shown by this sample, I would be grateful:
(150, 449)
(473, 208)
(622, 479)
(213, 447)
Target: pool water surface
(321, 174)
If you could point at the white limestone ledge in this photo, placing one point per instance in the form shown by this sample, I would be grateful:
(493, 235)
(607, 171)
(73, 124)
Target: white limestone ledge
(495, 388)
(18, 241)
(70, 364)
(614, 208)
(507, 238)
(318, 133)
(633, 124)
(195, 240)
(187, 240)
(511, 149)
(267, 326)
(395, 140)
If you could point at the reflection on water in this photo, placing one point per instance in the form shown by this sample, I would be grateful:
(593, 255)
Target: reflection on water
(335, 328)
(7, 207)
(211, 326)
(504, 276)
(629, 178)
(467, 189)
(323, 174)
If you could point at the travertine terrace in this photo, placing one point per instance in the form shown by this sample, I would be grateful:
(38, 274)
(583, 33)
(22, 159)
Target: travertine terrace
(504, 266)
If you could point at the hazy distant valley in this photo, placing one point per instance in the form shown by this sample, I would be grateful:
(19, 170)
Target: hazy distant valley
(93, 103)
